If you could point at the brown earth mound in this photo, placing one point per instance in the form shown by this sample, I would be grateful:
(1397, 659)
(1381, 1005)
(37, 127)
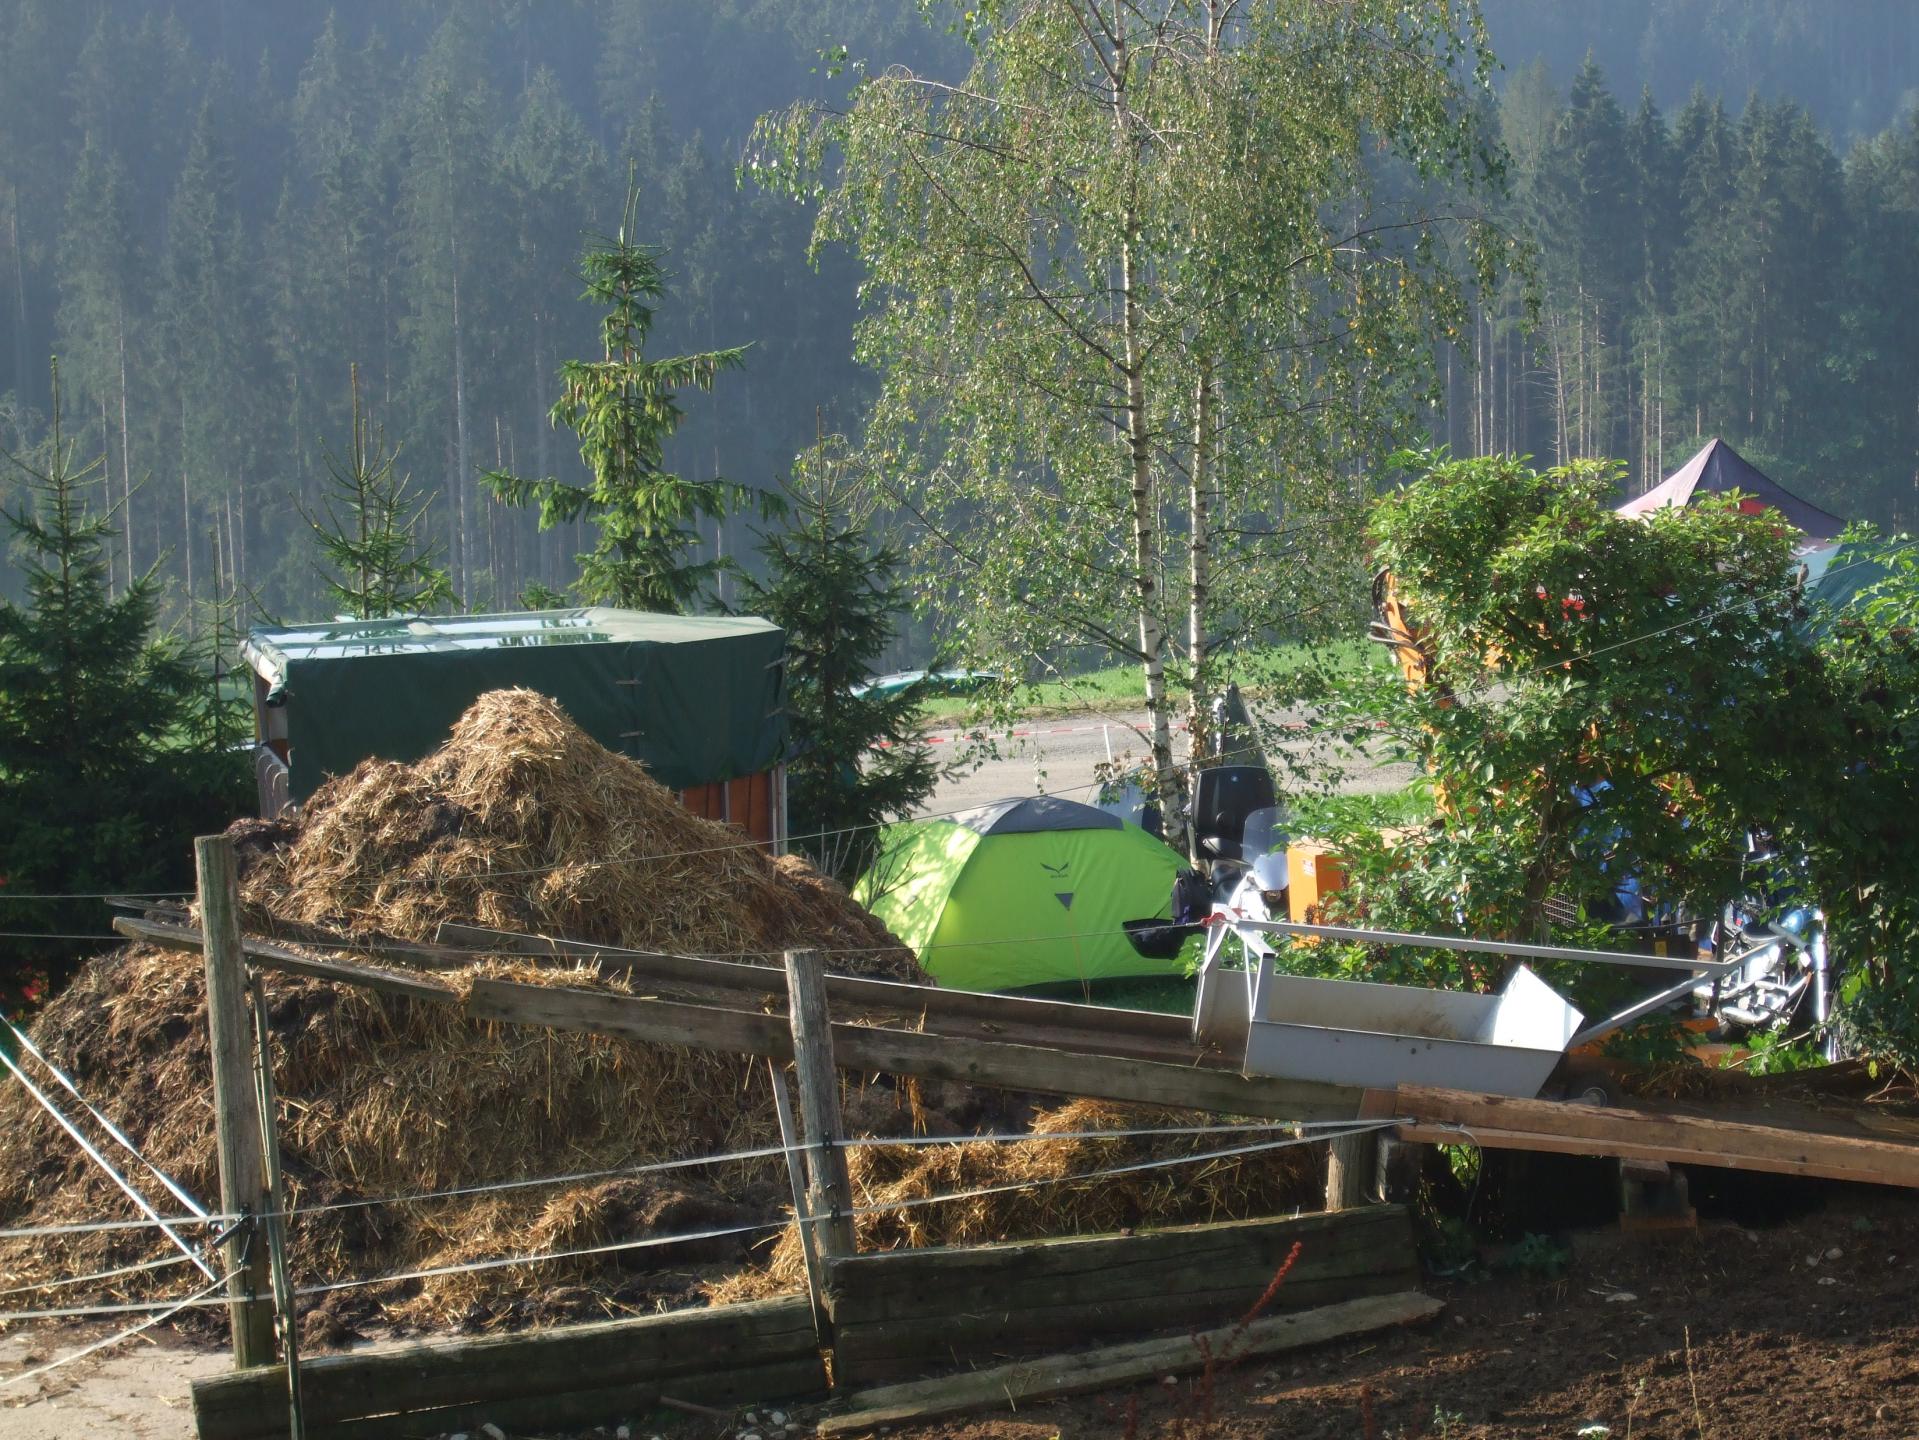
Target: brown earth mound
(520, 822)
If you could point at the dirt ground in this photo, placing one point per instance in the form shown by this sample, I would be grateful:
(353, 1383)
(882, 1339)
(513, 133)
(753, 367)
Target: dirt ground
(1728, 1333)
(1731, 1332)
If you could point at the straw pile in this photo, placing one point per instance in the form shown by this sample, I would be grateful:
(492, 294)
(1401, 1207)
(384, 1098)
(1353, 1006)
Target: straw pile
(523, 822)
(1272, 1182)
(519, 822)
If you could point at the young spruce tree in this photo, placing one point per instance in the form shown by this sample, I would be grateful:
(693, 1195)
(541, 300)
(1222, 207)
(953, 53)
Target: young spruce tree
(373, 561)
(623, 409)
(105, 774)
(860, 760)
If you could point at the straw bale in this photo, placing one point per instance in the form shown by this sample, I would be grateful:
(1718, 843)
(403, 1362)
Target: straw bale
(520, 822)
(1273, 1182)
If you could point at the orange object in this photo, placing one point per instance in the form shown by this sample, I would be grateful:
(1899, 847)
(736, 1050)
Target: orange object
(1313, 871)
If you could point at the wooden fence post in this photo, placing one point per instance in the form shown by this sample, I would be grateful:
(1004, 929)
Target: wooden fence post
(236, 1106)
(829, 1190)
(1350, 1164)
(796, 1176)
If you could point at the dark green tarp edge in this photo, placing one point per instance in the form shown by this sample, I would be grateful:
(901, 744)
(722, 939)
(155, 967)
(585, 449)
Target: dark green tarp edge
(694, 709)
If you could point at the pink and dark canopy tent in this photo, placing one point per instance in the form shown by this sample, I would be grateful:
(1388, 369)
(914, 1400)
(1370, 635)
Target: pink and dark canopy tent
(1718, 469)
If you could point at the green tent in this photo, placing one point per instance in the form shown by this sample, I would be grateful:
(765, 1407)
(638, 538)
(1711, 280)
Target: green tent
(1022, 892)
(1836, 577)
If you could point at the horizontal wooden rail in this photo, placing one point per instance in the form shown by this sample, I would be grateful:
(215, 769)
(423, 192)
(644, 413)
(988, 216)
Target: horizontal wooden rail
(864, 1048)
(934, 1055)
(574, 1375)
(931, 1003)
(279, 957)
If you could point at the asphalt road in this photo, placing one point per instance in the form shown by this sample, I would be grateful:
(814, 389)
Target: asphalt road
(1057, 756)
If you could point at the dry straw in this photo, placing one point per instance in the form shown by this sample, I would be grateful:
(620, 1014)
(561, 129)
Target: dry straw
(1272, 1182)
(389, 1097)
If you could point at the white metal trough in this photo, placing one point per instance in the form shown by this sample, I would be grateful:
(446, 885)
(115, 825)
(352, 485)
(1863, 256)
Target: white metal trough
(1351, 1032)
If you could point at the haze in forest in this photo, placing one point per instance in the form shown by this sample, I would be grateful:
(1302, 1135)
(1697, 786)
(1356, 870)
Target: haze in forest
(209, 215)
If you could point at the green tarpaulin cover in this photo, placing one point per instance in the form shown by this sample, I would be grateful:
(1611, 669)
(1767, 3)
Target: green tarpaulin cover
(696, 698)
(1025, 892)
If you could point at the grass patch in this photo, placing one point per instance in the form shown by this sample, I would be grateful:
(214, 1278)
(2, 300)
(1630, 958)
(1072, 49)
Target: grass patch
(1123, 687)
(1167, 994)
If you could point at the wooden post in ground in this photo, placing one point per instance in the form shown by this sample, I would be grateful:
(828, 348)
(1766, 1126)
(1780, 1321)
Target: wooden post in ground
(829, 1190)
(1350, 1164)
(236, 1105)
(285, 1308)
(796, 1176)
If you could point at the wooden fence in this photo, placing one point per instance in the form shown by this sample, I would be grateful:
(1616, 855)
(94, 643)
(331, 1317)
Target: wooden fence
(573, 1375)
(903, 1313)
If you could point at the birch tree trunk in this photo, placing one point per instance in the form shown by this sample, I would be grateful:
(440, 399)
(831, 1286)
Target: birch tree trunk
(1199, 555)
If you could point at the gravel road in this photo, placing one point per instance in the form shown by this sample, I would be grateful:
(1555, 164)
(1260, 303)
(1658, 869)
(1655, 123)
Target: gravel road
(1058, 756)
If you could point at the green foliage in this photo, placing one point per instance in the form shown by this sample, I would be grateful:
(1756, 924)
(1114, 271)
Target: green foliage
(376, 563)
(1604, 700)
(1611, 697)
(1855, 795)
(1776, 1053)
(623, 409)
(860, 761)
(1600, 701)
(108, 761)
(1133, 331)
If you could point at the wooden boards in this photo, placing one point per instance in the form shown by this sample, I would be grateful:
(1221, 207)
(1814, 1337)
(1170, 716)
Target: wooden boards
(1498, 1122)
(1057, 1024)
(1090, 1370)
(573, 1376)
(903, 1313)
(870, 1049)
(279, 957)
(875, 1050)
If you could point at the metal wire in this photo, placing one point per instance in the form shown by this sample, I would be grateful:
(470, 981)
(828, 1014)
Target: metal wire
(540, 1258)
(93, 1154)
(197, 1298)
(87, 1227)
(161, 1264)
(533, 1182)
(172, 1188)
(102, 895)
(885, 1206)
(131, 1307)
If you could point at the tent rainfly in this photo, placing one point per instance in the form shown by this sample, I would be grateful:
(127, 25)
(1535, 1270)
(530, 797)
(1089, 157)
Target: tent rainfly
(1718, 469)
(1023, 892)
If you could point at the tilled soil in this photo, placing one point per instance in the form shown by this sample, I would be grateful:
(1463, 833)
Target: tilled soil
(1723, 1334)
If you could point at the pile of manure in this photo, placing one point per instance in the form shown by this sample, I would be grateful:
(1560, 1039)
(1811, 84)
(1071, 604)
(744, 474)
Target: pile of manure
(1044, 1197)
(519, 822)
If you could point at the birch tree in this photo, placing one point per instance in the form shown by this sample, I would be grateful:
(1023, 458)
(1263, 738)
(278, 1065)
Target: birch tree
(1144, 291)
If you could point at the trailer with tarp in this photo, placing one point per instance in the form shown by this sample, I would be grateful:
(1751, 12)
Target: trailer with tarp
(700, 700)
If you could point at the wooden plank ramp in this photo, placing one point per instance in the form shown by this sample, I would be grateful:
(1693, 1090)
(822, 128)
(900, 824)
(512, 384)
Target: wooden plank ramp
(1023, 1065)
(1809, 1145)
